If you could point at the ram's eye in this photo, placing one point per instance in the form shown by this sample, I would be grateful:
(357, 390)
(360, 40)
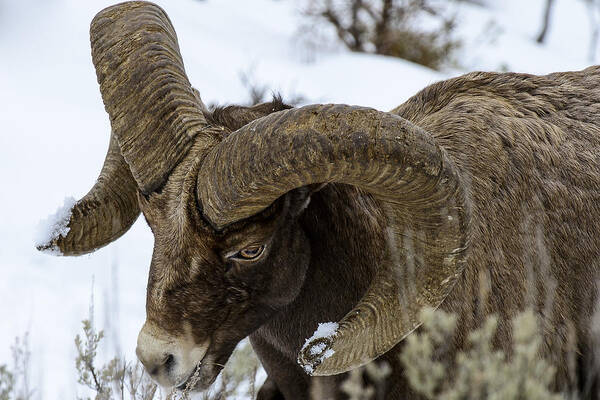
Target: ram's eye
(250, 252)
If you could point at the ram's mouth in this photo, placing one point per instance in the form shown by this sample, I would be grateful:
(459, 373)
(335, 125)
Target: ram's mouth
(191, 380)
(200, 378)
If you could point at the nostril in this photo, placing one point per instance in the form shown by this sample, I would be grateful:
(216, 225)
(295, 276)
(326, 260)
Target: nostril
(169, 361)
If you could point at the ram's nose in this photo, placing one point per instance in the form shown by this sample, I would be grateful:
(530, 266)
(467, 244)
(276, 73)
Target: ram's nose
(170, 359)
(155, 352)
(154, 363)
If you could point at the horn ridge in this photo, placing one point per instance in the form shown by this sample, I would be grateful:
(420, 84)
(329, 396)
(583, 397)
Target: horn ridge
(152, 107)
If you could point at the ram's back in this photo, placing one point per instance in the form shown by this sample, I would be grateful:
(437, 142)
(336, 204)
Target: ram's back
(529, 151)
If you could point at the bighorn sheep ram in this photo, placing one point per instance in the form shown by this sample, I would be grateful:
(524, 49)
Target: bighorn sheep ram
(269, 220)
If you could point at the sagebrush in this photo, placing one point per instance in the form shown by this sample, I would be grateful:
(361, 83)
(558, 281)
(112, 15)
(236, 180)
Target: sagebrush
(481, 372)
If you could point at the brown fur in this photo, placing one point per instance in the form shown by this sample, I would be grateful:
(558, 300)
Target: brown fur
(234, 117)
(529, 149)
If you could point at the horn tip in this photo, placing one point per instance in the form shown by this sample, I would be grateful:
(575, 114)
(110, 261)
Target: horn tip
(50, 248)
(318, 348)
(54, 228)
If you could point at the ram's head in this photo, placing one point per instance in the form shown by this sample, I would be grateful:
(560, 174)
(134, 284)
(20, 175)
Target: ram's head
(224, 207)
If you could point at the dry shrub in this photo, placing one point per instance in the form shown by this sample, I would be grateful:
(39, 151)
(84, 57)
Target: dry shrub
(7, 383)
(431, 49)
(421, 31)
(15, 380)
(114, 379)
(356, 387)
(481, 373)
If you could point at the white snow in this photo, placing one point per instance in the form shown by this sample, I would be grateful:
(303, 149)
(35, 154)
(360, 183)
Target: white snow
(55, 132)
(317, 349)
(55, 226)
(324, 330)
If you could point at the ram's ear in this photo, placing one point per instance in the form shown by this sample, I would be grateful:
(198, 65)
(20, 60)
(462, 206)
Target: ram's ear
(299, 199)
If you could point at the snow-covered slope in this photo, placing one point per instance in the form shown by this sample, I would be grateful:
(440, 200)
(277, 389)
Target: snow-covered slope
(54, 134)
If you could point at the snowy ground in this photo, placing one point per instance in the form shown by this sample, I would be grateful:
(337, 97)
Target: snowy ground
(54, 134)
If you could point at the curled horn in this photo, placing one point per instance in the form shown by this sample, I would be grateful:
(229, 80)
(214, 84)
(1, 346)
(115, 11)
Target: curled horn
(396, 162)
(154, 112)
(102, 215)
